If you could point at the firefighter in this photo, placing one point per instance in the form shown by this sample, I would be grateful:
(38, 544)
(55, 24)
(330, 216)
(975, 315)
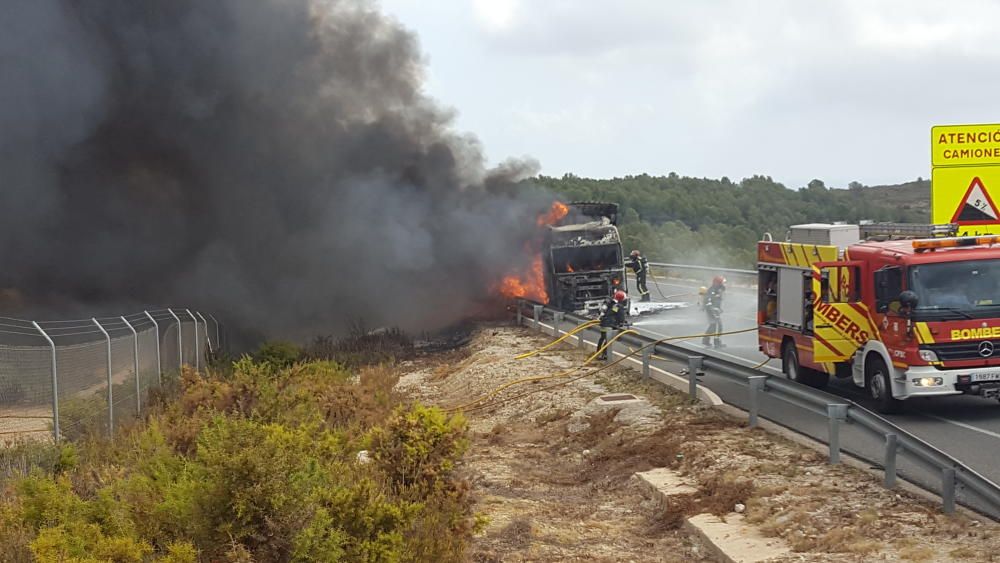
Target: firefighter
(712, 304)
(613, 317)
(640, 266)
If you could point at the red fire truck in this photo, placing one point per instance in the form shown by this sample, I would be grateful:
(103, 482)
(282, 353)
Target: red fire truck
(903, 310)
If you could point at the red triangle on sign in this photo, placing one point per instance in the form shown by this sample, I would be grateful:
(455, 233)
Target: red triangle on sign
(976, 207)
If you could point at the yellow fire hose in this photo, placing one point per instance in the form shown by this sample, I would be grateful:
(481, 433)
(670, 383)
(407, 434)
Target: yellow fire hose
(583, 326)
(484, 401)
(497, 390)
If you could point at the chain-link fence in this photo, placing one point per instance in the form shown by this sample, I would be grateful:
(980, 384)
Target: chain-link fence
(61, 379)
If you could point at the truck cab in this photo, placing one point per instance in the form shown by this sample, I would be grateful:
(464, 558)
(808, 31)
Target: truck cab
(903, 310)
(582, 257)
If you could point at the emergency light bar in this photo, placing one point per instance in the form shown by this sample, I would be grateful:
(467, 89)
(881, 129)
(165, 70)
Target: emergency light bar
(906, 230)
(954, 242)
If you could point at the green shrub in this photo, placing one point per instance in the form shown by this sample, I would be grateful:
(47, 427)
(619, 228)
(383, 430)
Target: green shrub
(278, 353)
(254, 463)
(419, 446)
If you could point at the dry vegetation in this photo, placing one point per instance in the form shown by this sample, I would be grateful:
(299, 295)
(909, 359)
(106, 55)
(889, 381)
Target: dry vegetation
(553, 473)
(257, 461)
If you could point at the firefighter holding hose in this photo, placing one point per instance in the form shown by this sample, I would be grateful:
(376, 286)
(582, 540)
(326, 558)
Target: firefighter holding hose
(613, 317)
(640, 266)
(712, 303)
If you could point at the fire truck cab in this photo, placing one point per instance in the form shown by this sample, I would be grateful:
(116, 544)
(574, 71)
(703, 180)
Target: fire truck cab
(903, 310)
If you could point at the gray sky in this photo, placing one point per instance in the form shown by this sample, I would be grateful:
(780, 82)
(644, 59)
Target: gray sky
(792, 89)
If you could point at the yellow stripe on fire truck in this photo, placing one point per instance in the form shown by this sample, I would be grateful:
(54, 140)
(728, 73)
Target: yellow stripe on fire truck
(923, 333)
(805, 255)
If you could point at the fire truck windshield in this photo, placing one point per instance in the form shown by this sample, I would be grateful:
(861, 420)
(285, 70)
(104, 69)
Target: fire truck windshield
(968, 289)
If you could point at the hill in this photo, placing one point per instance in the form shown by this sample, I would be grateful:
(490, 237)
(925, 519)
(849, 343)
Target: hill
(718, 222)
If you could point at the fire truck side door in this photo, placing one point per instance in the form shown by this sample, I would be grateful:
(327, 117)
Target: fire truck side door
(840, 320)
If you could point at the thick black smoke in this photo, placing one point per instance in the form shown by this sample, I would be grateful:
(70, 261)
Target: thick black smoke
(275, 160)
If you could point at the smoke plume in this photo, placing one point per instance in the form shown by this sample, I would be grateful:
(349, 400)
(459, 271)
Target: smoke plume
(272, 160)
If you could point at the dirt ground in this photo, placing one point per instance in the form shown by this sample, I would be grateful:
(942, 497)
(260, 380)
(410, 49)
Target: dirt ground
(552, 467)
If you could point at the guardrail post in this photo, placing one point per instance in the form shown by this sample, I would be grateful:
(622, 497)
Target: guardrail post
(557, 321)
(159, 369)
(180, 341)
(536, 313)
(836, 414)
(948, 490)
(519, 304)
(647, 354)
(135, 358)
(111, 397)
(756, 384)
(55, 384)
(891, 445)
(695, 368)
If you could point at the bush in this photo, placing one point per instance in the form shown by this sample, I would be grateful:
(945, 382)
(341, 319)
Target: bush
(252, 463)
(362, 347)
(419, 447)
(278, 353)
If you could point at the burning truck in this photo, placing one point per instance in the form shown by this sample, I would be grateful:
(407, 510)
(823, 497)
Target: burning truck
(582, 257)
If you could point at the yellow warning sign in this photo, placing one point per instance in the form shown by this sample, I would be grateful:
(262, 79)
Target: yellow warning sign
(966, 195)
(965, 145)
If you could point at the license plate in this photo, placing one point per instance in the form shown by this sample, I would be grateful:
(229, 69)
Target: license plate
(994, 376)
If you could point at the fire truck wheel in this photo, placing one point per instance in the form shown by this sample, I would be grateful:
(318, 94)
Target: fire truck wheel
(794, 371)
(879, 387)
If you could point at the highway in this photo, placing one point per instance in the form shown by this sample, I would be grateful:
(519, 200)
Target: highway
(965, 427)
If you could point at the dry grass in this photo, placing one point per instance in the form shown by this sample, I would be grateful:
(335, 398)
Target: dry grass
(719, 494)
(917, 553)
(963, 553)
(517, 534)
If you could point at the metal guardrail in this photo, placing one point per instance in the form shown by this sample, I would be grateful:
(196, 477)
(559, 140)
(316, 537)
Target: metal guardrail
(838, 411)
(734, 271)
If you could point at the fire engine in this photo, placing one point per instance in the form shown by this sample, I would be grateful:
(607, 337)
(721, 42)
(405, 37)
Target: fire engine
(903, 310)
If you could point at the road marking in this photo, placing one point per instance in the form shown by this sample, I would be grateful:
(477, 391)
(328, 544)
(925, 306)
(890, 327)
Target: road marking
(961, 424)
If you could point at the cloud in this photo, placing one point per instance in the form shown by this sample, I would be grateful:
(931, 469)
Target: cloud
(837, 90)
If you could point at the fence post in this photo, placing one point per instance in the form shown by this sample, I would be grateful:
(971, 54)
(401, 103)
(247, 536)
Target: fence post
(55, 384)
(756, 383)
(536, 313)
(891, 441)
(647, 354)
(218, 337)
(111, 397)
(135, 358)
(518, 304)
(180, 341)
(558, 317)
(208, 339)
(836, 414)
(159, 369)
(948, 490)
(197, 351)
(695, 368)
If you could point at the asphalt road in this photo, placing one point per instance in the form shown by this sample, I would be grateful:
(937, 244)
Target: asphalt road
(965, 427)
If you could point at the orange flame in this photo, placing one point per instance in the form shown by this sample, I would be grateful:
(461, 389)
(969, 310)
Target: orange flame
(569, 268)
(531, 284)
(556, 212)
